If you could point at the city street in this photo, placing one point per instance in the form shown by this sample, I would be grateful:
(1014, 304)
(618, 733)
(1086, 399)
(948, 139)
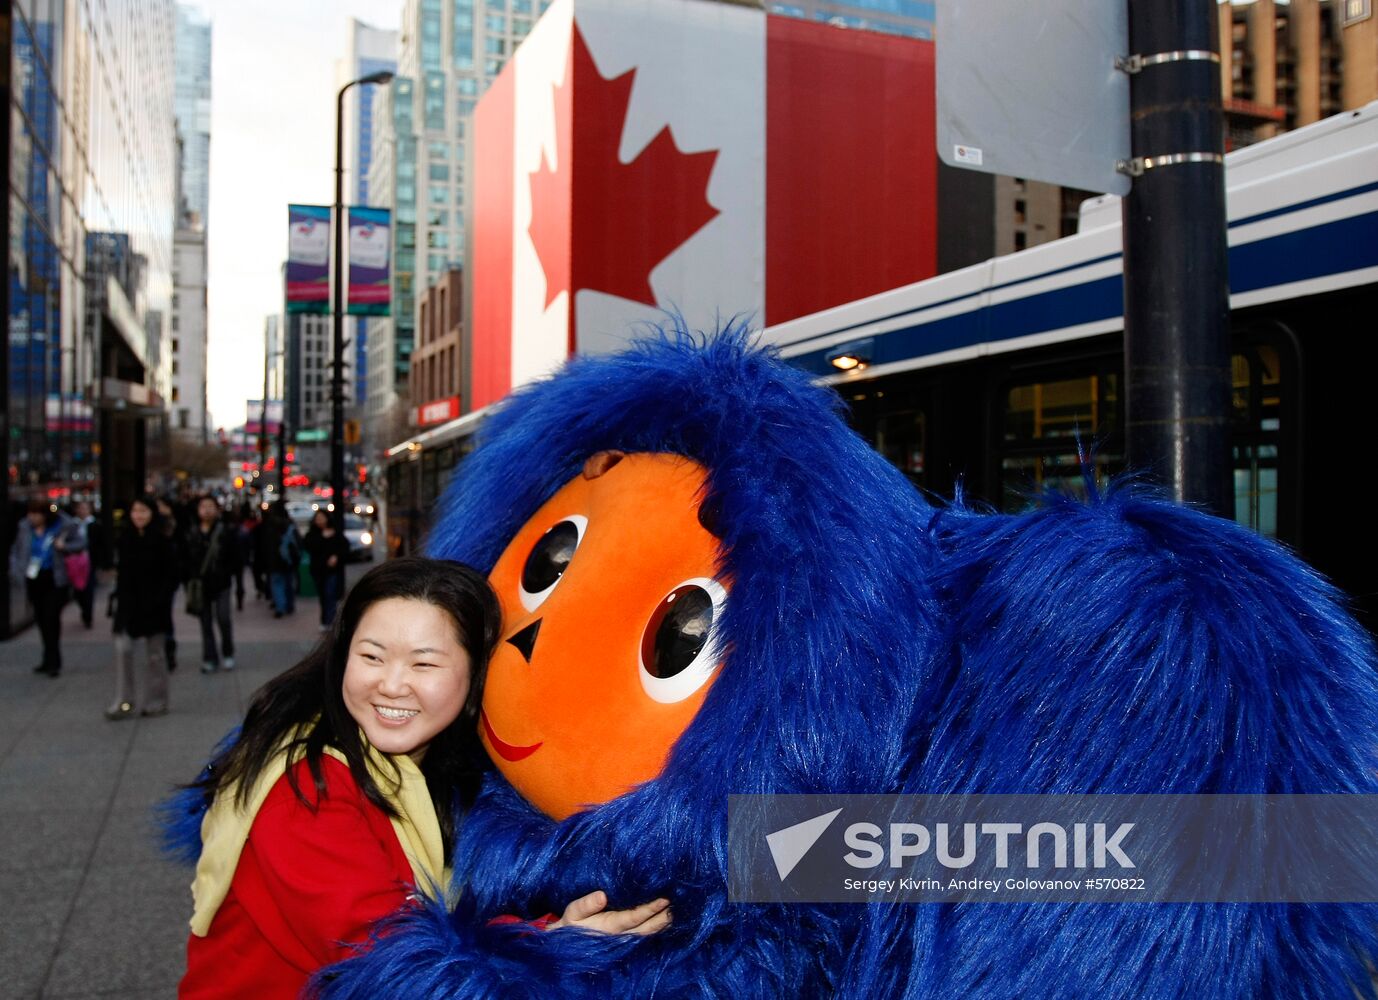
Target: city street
(91, 908)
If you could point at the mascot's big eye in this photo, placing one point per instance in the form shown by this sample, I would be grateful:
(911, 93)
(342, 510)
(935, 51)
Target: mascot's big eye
(678, 651)
(549, 559)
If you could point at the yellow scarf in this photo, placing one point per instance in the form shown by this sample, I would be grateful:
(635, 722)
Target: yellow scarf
(225, 829)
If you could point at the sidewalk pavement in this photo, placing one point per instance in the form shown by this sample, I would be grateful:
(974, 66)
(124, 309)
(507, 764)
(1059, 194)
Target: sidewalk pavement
(88, 906)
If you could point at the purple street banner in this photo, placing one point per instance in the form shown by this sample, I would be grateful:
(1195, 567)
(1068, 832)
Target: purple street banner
(308, 259)
(370, 248)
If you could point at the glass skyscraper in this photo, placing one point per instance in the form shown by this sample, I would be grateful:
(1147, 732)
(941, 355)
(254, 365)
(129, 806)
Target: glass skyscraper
(193, 109)
(91, 164)
(451, 51)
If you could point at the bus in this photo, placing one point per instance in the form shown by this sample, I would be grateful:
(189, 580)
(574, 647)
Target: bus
(987, 379)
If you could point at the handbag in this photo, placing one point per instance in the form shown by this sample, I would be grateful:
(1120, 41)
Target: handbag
(196, 597)
(196, 587)
(78, 566)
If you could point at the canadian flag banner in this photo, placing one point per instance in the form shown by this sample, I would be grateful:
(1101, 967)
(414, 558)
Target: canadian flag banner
(692, 156)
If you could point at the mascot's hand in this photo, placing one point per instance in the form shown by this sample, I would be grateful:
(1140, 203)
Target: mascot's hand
(590, 913)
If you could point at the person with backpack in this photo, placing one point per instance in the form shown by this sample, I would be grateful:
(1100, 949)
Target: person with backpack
(46, 538)
(212, 554)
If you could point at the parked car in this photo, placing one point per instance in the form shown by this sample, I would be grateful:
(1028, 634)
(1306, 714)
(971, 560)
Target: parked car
(300, 512)
(359, 534)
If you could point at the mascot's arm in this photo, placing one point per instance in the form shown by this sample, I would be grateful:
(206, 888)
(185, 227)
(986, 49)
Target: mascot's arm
(1131, 645)
(428, 953)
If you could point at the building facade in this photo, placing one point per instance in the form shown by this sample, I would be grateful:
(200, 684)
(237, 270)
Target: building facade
(85, 368)
(187, 405)
(436, 377)
(1284, 65)
(306, 394)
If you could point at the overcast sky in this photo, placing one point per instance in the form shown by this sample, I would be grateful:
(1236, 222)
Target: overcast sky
(272, 142)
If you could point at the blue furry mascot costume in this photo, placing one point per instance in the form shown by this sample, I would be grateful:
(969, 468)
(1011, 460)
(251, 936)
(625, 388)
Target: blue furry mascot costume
(711, 586)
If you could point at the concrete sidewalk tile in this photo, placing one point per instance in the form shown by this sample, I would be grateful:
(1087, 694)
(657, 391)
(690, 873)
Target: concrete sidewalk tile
(130, 837)
(127, 931)
(36, 904)
(164, 992)
(34, 839)
(151, 777)
(84, 732)
(51, 781)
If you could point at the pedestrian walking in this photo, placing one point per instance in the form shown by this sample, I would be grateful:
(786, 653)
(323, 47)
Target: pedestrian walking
(248, 551)
(234, 525)
(81, 569)
(327, 551)
(284, 554)
(210, 561)
(264, 546)
(172, 530)
(145, 582)
(46, 537)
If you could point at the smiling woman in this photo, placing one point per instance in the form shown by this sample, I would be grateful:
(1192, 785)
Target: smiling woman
(334, 806)
(407, 676)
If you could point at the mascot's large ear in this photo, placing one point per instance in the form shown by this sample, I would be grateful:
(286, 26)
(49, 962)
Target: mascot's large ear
(600, 462)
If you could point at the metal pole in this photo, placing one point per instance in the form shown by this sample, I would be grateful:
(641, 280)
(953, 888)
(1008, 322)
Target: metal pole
(337, 473)
(1176, 289)
(282, 438)
(263, 420)
(337, 317)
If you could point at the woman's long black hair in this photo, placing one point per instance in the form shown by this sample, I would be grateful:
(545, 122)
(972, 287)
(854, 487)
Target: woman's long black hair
(454, 761)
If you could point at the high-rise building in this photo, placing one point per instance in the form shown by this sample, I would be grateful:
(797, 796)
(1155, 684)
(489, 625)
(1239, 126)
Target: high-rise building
(306, 371)
(368, 50)
(913, 18)
(91, 166)
(187, 407)
(449, 52)
(1284, 65)
(192, 105)
(193, 110)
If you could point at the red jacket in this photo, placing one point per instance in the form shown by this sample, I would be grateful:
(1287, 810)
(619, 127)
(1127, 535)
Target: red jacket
(309, 884)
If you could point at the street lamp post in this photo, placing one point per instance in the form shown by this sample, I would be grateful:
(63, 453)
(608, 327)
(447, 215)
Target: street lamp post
(337, 474)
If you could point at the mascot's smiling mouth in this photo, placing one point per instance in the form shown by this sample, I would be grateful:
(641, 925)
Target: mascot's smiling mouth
(506, 750)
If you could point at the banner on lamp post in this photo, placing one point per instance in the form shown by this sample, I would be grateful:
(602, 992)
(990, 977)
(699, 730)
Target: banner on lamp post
(308, 259)
(370, 249)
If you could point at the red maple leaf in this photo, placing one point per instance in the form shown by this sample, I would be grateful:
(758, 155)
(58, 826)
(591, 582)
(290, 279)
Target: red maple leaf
(628, 216)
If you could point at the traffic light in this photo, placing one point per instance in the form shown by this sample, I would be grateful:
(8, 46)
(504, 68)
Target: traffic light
(239, 482)
(351, 432)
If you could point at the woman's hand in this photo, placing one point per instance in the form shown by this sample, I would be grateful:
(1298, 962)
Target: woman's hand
(590, 913)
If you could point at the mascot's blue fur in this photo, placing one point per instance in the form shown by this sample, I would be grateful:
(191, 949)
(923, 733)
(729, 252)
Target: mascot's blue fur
(1124, 644)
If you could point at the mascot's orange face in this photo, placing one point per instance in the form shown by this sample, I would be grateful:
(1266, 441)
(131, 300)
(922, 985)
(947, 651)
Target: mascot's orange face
(608, 600)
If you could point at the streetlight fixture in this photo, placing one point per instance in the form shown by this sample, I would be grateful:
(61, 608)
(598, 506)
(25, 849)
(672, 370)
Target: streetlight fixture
(337, 475)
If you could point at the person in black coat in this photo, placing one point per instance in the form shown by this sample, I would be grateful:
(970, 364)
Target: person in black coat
(145, 581)
(328, 550)
(212, 556)
(172, 531)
